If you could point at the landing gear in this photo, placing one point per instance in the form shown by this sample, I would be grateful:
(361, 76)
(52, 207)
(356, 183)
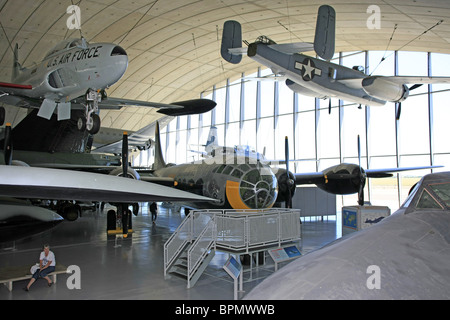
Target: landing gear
(91, 120)
(119, 222)
(91, 124)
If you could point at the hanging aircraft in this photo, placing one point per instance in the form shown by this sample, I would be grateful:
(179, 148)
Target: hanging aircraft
(74, 75)
(404, 256)
(316, 77)
(213, 149)
(239, 181)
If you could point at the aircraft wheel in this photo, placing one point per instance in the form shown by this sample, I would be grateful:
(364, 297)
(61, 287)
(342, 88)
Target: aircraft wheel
(81, 124)
(93, 126)
(111, 220)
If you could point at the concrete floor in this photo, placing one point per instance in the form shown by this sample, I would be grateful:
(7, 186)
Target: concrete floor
(116, 268)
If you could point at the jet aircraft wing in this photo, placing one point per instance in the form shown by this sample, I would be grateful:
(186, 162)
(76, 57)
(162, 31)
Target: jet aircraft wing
(42, 183)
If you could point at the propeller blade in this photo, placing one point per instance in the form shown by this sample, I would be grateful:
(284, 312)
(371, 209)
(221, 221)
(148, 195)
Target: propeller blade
(8, 148)
(398, 110)
(361, 195)
(329, 106)
(417, 85)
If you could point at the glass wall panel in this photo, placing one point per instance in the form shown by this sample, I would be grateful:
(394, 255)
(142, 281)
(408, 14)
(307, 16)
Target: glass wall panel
(194, 147)
(328, 132)
(248, 134)
(220, 108)
(441, 112)
(286, 99)
(250, 99)
(305, 147)
(267, 101)
(319, 139)
(265, 138)
(414, 135)
(233, 134)
(235, 101)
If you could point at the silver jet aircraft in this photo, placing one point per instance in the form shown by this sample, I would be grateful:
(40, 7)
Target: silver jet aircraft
(74, 75)
(316, 77)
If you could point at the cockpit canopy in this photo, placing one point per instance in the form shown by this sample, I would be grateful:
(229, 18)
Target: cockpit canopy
(429, 195)
(264, 40)
(68, 44)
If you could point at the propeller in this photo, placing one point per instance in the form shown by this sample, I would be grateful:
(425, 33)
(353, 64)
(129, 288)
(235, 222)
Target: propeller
(8, 148)
(398, 105)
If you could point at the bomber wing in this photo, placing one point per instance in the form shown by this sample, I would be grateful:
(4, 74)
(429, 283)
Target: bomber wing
(384, 173)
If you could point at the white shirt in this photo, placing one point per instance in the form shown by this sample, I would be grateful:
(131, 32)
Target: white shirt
(46, 259)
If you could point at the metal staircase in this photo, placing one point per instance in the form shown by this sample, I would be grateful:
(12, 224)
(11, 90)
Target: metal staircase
(192, 246)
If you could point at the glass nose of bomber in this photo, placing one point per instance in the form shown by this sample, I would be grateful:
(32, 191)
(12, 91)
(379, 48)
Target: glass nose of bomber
(258, 187)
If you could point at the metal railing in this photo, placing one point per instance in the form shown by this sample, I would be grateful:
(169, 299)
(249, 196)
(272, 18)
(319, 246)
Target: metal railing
(240, 231)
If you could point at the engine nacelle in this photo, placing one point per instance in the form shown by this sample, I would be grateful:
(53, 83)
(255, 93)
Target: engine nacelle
(302, 90)
(384, 89)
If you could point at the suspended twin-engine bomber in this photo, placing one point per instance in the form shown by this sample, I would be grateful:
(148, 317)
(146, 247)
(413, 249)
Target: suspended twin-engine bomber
(318, 77)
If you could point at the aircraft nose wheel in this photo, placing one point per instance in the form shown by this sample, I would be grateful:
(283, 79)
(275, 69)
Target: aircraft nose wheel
(91, 124)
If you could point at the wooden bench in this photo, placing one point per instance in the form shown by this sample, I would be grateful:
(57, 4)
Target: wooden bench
(10, 274)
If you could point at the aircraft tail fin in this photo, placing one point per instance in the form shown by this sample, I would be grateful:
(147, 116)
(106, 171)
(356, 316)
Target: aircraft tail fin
(17, 67)
(324, 40)
(231, 39)
(159, 162)
(211, 143)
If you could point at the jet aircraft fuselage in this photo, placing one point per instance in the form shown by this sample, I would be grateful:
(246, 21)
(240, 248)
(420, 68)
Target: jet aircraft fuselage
(73, 67)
